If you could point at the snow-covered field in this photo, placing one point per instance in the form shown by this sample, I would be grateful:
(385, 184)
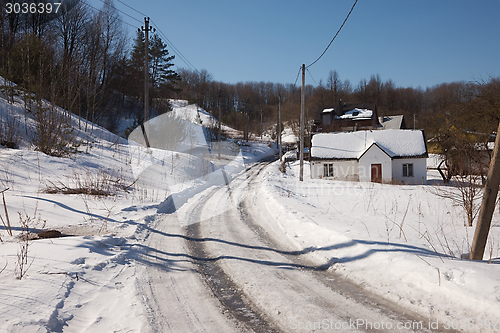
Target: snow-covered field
(402, 242)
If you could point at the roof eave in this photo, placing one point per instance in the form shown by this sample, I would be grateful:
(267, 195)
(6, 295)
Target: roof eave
(397, 157)
(425, 155)
(312, 158)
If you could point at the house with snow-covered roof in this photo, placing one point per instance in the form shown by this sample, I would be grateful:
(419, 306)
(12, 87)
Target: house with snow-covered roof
(392, 122)
(347, 117)
(389, 156)
(354, 117)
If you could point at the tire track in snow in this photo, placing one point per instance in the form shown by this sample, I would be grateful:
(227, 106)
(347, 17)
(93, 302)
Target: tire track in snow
(305, 291)
(175, 298)
(235, 302)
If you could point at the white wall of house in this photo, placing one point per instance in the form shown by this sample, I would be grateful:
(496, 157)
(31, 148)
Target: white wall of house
(342, 170)
(375, 155)
(419, 170)
(316, 169)
(360, 170)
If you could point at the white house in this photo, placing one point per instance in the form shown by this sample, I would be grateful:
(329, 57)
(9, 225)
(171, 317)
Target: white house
(392, 155)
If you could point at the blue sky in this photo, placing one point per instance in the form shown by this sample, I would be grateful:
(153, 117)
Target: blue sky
(411, 42)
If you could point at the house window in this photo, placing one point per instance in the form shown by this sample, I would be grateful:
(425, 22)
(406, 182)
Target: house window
(408, 170)
(328, 170)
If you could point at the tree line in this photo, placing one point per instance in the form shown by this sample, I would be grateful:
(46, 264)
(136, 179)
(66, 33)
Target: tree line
(447, 111)
(82, 60)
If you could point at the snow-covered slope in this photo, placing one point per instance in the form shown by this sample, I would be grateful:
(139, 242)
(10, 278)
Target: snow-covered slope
(86, 278)
(86, 282)
(193, 113)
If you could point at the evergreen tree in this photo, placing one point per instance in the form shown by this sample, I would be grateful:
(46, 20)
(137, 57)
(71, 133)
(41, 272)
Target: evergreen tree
(162, 77)
(135, 68)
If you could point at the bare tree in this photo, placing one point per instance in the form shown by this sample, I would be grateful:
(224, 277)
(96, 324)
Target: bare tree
(335, 85)
(70, 29)
(466, 164)
(113, 40)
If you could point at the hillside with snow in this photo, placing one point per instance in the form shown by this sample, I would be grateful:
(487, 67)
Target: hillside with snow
(405, 243)
(85, 281)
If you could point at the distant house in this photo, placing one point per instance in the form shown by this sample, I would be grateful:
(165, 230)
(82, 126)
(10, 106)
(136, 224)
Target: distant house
(378, 156)
(347, 117)
(354, 117)
(392, 122)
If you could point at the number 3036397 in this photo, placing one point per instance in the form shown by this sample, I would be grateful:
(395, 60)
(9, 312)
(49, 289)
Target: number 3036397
(32, 8)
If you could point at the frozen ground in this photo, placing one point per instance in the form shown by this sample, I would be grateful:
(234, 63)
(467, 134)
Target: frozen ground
(402, 242)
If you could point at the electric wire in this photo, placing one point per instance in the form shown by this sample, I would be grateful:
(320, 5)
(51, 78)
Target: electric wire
(109, 4)
(100, 11)
(135, 10)
(174, 49)
(315, 61)
(310, 74)
(297, 75)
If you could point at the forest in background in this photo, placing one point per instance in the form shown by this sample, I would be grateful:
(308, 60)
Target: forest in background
(83, 60)
(443, 111)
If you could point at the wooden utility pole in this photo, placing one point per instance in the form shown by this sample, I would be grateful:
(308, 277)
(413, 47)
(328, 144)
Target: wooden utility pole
(488, 204)
(279, 128)
(261, 124)
(302, 119)
(220, 120)
(248, 118)
(146, 30)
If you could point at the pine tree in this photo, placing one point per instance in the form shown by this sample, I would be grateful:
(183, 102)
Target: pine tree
(135, 67)
(162, 77)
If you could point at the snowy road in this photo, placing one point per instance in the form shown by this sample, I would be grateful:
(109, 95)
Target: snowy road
(223, 272)
(175, 295)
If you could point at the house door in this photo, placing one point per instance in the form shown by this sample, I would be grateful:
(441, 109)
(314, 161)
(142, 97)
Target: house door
(376, 173)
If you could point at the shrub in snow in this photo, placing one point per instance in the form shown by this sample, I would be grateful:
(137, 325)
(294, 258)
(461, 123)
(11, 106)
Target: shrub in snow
(53, 134)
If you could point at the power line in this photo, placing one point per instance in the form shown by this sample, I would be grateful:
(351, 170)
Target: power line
(312, 77)
(181, 56)
(174, 49)
(355, 2)
(135, 10)
(99, 10)
(297, 76)
(108, 4)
